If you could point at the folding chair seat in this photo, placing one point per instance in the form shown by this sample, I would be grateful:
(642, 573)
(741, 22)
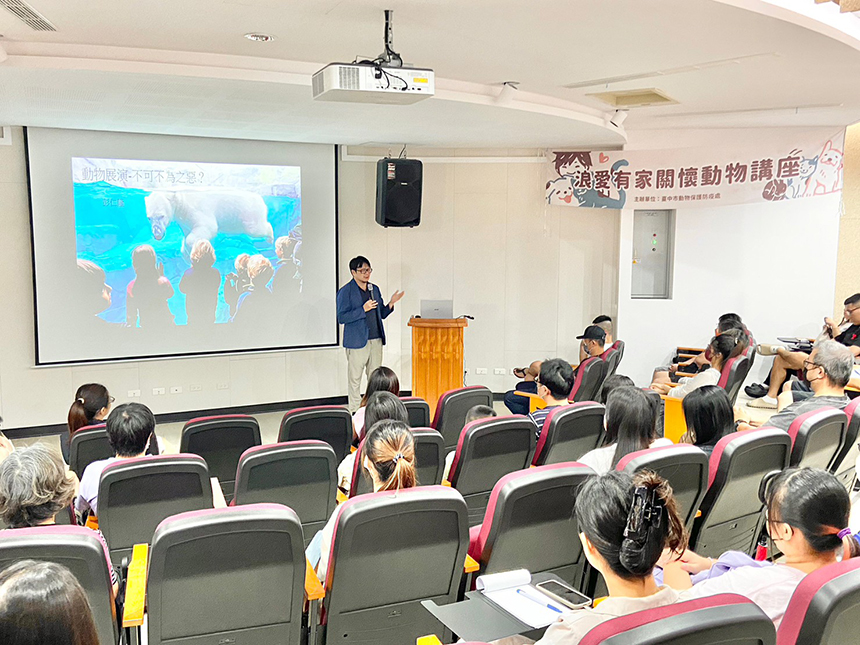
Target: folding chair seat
(80, 550)
(451, 411)
(569, 431)
(488, 450)
(732, 512)
(824, 608)
(530, 523)
(589, 379)
(844, 464)
(685, 467)
(298, 474)
(221, 440)
(329, 423)
(389, 552)
(817, 437)
(429, 455)
(88, 444)
(733, 374)
(135, 495)
(716, 620)
(231, 575)
(418, 410)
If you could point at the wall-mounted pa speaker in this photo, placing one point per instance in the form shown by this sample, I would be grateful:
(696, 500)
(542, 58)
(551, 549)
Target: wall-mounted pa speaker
(398, 192)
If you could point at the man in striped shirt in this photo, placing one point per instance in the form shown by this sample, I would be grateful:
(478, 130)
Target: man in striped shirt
(553, 386)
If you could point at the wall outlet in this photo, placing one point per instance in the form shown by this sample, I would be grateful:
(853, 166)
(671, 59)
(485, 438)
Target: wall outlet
(134, 394)
(195, 387)
(480, 370)
(222, 386)
(158, 391)
(176, 389)
(500, 371)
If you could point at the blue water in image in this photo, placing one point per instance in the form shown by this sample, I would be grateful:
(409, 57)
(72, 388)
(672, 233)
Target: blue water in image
(110, 222)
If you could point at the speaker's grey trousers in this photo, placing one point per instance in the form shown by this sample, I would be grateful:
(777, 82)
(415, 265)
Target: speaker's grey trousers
(366, 359)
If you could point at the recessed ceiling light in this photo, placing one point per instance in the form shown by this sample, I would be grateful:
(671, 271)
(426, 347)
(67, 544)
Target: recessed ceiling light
(260, 38)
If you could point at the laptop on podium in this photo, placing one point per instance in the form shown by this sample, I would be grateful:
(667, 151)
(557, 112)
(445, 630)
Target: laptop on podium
(436, 309)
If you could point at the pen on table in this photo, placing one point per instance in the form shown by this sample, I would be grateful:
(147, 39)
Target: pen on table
(542, 603)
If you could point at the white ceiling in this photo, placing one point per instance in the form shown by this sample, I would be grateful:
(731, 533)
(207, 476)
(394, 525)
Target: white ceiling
(183, 67)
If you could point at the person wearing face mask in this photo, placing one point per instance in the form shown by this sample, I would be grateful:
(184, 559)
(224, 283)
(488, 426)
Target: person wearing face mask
(827, 370)
(593, 342)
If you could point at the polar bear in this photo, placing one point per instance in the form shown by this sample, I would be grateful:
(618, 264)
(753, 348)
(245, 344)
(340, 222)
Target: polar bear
(202, 214)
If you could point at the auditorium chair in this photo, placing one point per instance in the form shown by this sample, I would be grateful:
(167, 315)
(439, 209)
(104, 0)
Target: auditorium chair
(817, 437)
(451, 411)
(733, 375)
(613, 356)
(685, 467)
(329, 423)
(135, 495)
(715, 620)
(569, 431)
(429, 462)
(488, 450)
(78, 549)
(389, 552)
(221, 440)
(418, 410)
(824, 608)
(530, 524)
(731, 509)
(844, 464)
(360, 483)
(230, 575)
(298, 474)
(589, 379)
(88, 444)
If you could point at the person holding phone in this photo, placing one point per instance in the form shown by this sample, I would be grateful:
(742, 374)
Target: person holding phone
(625, 525)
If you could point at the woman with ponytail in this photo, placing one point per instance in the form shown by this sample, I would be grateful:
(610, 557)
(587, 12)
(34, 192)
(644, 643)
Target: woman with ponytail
(91, 405)
(388, 457)
(720, 349)
(807, 519)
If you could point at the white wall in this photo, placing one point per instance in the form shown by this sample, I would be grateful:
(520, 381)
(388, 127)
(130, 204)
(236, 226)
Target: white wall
(532, 276)
(772, 263)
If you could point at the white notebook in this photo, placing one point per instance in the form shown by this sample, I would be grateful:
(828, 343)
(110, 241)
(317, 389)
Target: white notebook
(513, 592)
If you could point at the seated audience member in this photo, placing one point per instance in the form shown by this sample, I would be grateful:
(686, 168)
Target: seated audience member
(807, 511)
(827, 369)
(475, 412)
(380, 405)
(702, 361)
(709, 417)
(630, 426)
(606, 508)
(554, 382)
(388, 458)
(520, 404)
(130, 430)
(593, 342)
(91, 406)
(612, 382)
(605, 323)
(382, 379)
(34, 487)
(721, 348)
(786, 361)
(42, 603)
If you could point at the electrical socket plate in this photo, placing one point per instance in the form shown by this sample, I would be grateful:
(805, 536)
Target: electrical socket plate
(499, 371)
(222, 386)
(480, 370)
(195, 387)
(176, 389)
(134, 394)
(158, 391)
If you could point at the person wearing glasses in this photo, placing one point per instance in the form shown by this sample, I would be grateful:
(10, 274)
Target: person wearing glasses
(554, 384)
(361, 310)
(827, 370)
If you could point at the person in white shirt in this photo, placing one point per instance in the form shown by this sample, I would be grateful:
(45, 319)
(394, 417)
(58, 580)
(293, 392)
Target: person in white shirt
(807, 510)
(626, 523)
(382, 379)
(630, 426)
(720, 349)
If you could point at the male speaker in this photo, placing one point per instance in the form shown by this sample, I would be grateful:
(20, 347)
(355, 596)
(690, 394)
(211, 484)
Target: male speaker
(398, 192)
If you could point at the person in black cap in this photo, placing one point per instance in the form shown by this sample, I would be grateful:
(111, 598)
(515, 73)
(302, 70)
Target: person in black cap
(593, 341)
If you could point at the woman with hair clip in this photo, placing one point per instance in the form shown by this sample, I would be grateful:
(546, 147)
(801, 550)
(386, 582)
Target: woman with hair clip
(720, 349)
(807, 516)
(630, 426)
(382, 379)
(709, 417)
(388, 458)
(626, 524)
(91, 405)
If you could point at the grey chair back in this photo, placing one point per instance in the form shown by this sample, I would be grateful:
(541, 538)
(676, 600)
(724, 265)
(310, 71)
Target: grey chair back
(451, 411)
(844, 464)
(589, 379)
(569, 431)
(818, 437)
(135, 495)
(418, 410)
(221, 440)
(88, 444)
(389, 552)
(488, 450)
(329, 423)
(232, 575)
(731, 509)
(78, 549)
(429, 455)
(734, 373)
(298, 474)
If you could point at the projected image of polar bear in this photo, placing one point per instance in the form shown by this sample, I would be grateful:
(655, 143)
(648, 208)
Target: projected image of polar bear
(202, 214)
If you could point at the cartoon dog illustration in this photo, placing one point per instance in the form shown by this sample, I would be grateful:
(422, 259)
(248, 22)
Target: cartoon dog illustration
(827, 177)
(559, 190)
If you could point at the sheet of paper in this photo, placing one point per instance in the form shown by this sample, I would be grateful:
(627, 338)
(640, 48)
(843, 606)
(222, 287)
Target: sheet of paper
(522, 607)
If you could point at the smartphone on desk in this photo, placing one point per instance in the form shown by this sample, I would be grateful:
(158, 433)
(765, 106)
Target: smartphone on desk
(563, 593)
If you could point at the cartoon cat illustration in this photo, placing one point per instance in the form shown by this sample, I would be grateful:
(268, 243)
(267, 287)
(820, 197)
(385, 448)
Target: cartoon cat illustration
(827, 177)
(797, 185)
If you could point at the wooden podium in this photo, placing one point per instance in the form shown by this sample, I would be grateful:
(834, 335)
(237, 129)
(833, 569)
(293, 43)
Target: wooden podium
(437, 357)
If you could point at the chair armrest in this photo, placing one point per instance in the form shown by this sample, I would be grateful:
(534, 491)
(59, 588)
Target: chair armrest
(471, 565)
(684, 374)
(445, 482)
(135, 587)
(428, 640)
(535, 402)
(341, 496)
(313, 587)
(690, 350)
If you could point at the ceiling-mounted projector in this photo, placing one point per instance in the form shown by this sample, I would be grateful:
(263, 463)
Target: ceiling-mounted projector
(381, 80)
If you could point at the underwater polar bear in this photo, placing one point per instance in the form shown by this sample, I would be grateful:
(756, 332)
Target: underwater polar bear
(202, 214)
